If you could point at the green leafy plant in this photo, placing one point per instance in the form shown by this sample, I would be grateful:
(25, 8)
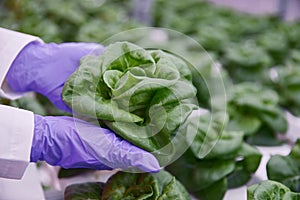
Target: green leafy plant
(246, 61)
(271, 190)
(245, 45)
(158, 186)
(210, 178)
(275, 43)
(61, 21)
(145, 96)
(122, 185)
(230, 163)
(287, 84)
(255, 111)
(286, 169)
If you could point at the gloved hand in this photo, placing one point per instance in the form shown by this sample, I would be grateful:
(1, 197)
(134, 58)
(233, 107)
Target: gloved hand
(65, 141)
(73, 143)
(44, 68)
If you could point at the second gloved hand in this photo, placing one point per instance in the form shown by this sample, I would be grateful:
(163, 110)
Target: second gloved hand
(44, 68)
(73, 143)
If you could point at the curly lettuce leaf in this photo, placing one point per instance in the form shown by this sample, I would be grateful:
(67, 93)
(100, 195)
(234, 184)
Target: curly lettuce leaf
(285, 169)
(145, 96)
(271, 190)
(139, 186)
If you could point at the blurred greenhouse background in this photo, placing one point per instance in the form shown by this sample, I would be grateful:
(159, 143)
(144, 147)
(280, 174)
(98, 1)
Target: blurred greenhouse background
(255, 42)
(247, 46)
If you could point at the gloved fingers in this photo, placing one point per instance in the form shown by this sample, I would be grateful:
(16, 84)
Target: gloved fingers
(76, 50)
(59, 61)
(44, 68)
(73, 143)
(72, 53)
(113, 151)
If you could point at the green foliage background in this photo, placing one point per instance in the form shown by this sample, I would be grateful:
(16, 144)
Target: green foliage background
(249, 48)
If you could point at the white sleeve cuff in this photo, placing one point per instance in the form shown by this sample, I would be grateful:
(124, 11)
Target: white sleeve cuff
(29, 187)
(16, 129)
(11, 44)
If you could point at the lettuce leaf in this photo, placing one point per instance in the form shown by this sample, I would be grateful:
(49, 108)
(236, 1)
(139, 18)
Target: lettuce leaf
(255, 110)
(245, 61)
(130, 186)
(230, 164)
(271, 190)
(286, 169)
(145, 96)
(287, 85)
(139, 186)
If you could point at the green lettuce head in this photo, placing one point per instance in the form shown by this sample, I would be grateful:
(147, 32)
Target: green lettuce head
(144, 96)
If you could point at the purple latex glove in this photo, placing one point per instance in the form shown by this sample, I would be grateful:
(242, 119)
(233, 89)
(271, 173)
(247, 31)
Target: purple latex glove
(73, 143)
(44, 68)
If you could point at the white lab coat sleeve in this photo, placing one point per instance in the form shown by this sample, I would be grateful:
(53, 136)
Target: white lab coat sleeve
(16, 129)
(16, 125)
(11, 44)
(29, 187)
